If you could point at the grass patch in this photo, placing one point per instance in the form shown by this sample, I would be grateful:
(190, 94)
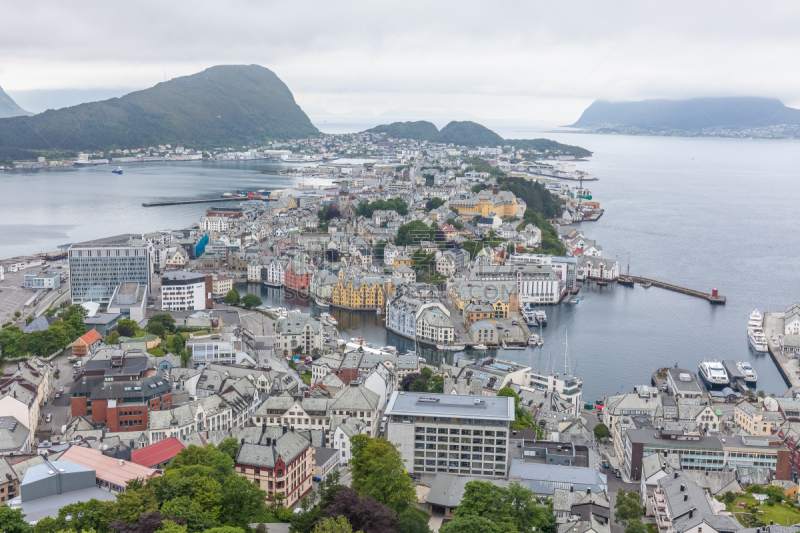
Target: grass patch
(306, 377)
(652, 528)
(778, 513)
(158, 352)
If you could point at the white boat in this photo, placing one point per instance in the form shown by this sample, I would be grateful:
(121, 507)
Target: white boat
(541, 318)
(748, 372)
(321, 302)
(756, 320)
(480, 347)
(713, 373)
(757, 339)
(535, 340)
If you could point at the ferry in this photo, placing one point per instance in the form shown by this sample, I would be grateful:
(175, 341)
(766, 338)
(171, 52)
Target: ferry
(748, 372)
(757, 339)
(713, 373)
(117, 170)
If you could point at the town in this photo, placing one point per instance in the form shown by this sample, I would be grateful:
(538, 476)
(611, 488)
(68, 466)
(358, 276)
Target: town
(127, 354)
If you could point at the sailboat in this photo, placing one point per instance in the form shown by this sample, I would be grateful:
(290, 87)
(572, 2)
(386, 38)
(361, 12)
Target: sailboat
(626, 280)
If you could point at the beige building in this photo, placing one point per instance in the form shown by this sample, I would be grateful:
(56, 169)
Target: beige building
(755, 420)
(221, 284)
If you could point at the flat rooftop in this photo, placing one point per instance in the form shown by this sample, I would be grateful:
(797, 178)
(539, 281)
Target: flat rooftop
(458, 406)
(116, 240)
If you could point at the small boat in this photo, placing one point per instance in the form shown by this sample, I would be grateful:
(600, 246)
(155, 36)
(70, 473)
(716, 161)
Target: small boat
(602, 282)
(117, 170)
(748, 372)
(713, 373)
(541, 318)
(480, 347)
(321, 302)
(535, 340)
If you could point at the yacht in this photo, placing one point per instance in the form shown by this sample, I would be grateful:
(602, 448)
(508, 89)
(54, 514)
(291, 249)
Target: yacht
(480, 347)
(713, 373)
(756, 320)
(748, 372)
(534, 340)
(757, 339)
(541, 318)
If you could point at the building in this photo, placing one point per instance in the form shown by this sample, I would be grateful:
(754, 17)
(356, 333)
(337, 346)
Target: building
(484, 332)
(220, 285)
(15, 438)
(103, 323)
(755, 420)
(360, 292)
(159, 454)
(503, 203)
(325, 460)
(547, 466)
(681, 506)
(111, 474)
(698, 452)
(430, 430)
(478, 312)
(345, 428)
(186, 291)
(9, 482)
(97, 268)
(298, 330)
(536, 284)
(282, 466)
(434, 326)
(297, 276)
(220, 348)
(42, 281)
(406, 307)
(447, 491)
(86, 343)
(129, 301)
(791, 319)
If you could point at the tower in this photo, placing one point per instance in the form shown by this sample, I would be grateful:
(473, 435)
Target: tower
(344, 200)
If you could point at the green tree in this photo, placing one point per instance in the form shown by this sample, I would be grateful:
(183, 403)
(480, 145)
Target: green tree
(436, 384)
(334, 525)
(635, 526)
(127, 327)
(427, 372)
(378, 470)
(225, 529)
(250, 301)
(177, 343)
(13, 521)
(197, 518)
(628, 507)
(157, 329)
(476, 524)
(233, 297)
(419, 385)
(113, 337)
(230, 447)
(168, 321)
(508, 392)
(413, 232)
(601, 432)
(168, 526)
(516, 506)
(729, 497)
(241, 500)
(412, 521)
(132, 503)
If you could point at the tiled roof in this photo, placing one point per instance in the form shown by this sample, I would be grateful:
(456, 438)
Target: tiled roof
(157, 453)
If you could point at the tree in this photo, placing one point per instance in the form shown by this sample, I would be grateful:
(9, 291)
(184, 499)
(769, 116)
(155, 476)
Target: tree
(419, 385)
(476, 524)
(177, 343)
(241, 500)
(729, 497)
(408, 379)
(362, 512)
(250, 301)
(427, 372)
(601, 431)
(413, 232)
(434, 203)
(378, 471)
(13, 521)
(509, 393)
(230, 446)
(197, 519)
(113, 337)
(157, 329)
(164, 319)
(411, 522)
(146, 523)
(127, 327)
(635, 526)
(233, 297)
(436, 384)
(334, 525)
(628, 507)
(515, 506)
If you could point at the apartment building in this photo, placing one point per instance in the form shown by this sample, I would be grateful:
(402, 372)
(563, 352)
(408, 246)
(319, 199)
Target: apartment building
(755, 420)
(186, 291)
(451, 433)
(681, 506)
(298, 330)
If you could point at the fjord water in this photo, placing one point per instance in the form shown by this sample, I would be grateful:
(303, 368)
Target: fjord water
(694, 212)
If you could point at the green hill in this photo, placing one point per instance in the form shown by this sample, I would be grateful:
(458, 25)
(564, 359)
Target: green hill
(421, 130)
(221, 106)
(467, 133)
(9, 108)
(546, 145)
(693, 114)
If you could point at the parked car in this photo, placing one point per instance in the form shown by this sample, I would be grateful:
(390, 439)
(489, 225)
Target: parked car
(48, 418)
(58, 395)
(617, 473)
(606, 464)
(61, 389)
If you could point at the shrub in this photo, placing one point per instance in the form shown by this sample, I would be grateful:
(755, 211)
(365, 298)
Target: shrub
(770, 503)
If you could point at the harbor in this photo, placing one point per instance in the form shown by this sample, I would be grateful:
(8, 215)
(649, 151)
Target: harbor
(714, 297)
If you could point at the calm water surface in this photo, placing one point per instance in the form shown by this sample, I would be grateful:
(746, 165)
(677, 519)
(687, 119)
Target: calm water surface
(694, 212)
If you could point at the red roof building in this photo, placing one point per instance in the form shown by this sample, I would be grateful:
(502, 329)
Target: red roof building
(158, 454)
(85, 342)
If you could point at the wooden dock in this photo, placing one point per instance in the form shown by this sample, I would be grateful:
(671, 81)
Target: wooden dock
(199, 201)
(711, 297)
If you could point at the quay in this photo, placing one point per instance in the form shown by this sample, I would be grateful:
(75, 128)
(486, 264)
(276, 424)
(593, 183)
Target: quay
(789, 367)
(199, 201)
(712, 297)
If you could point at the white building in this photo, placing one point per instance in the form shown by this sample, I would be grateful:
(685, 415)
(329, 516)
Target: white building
(296, 330)
(185, 291)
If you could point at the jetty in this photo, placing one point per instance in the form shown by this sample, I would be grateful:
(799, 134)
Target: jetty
(714, 297)
(198, 201)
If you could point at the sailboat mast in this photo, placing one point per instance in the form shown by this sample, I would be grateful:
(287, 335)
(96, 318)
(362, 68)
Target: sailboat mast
(566, 353)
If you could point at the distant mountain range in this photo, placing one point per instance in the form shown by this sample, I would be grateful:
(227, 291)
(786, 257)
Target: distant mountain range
(221, 106)
(9, 108)
(696, 114)
(471, 134)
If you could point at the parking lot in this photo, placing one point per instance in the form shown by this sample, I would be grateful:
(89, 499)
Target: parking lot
(12, 296)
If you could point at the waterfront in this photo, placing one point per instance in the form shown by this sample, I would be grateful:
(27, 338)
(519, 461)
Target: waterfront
(694, 212)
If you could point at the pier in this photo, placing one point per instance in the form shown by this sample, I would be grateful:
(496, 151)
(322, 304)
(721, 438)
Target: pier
(200, 201)
(712, 297)
(789, 367)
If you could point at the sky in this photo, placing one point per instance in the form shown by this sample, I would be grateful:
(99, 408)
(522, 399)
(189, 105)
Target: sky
(538, 63)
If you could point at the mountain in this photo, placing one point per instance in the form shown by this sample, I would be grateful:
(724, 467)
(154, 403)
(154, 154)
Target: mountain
(9, 108)
(693, 114)
(221, 106)
(469, 133)
(420, 131)
(464, 133)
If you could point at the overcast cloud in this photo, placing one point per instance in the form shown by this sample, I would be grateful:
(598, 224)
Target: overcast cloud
(543, 62)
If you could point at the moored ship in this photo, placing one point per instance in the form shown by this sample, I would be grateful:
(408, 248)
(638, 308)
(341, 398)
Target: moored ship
(713, 373)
